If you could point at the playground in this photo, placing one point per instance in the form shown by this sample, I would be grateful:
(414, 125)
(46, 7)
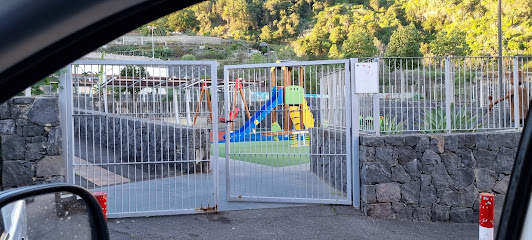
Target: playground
(275, 131)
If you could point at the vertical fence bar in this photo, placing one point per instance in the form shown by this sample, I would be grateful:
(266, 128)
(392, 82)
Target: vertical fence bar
(517, 93)
(376, 107)
(227, 132)
(448, 94)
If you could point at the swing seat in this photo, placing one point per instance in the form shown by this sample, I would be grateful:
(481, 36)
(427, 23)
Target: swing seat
(232, 116)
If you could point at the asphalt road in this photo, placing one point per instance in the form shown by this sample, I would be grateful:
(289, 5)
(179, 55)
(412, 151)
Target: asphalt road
(308, 222)
(43, 222)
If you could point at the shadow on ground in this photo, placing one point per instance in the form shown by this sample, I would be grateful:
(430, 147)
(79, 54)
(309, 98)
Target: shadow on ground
(307, 222)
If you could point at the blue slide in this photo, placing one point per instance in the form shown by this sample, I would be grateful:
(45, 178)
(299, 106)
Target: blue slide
(244, 133)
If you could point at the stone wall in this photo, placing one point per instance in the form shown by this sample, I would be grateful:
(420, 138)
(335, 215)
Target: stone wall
(31, 142)
(435, 177)
(136, 139)
(328, 156)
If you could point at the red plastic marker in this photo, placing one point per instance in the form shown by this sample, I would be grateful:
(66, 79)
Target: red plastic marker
(102, 199)
(485, 230)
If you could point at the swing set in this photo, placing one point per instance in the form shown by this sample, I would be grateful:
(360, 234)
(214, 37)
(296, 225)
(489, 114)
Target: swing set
(233, 114)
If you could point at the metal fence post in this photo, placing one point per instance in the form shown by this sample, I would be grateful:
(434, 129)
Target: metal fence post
(227, 132)
(215, 144)
(516, 93)
(67, 120)
(448, 93)
(355, 135)
(376, 109)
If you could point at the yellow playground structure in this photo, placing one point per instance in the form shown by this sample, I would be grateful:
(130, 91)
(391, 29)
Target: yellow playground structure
(295, 108)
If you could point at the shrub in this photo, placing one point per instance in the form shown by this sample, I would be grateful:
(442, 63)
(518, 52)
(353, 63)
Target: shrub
(215, 54)
(133, 71)
(390, 126)
(188, 57)
(435, 121)
(387, 125)
(256, 58)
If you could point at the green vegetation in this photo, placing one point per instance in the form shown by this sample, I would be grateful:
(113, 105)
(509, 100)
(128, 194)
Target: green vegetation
(450, 43)
(434, 120)
(216, 54)
(359, 44)
(52, 80)
(390, 126)
(133, 71)
(323, 29)
(404, 42)
(269, 153)
(387, 125)
(161, 27)
(182, 20)
(188, 57)
(256, 58)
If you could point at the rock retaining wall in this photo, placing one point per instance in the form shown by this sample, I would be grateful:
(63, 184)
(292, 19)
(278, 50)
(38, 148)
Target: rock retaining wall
(142, 140)
(31, 141)
(434, 177)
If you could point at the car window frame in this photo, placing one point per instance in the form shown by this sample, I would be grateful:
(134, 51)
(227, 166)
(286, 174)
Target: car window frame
(47, 60)
(518, 196)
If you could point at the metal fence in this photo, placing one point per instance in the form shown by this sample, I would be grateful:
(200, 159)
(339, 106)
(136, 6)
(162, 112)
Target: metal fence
(137, 131)
(288, 132)
(455, 94)
(147, 132)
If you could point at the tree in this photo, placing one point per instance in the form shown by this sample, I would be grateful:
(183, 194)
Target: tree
(359, 44)
(450, 44)
(335, 53)
(160, 27)
(238, 18)
(404, 42)
(182, 20)
(266, 34)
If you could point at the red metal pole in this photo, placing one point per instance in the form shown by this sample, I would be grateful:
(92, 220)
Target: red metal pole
(102, 199)
(485, 230)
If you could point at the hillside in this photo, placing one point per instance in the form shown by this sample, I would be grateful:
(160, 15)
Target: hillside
(320, 29)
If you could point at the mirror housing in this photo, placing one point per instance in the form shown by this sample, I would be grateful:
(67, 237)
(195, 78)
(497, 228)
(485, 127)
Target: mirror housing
(96, 219)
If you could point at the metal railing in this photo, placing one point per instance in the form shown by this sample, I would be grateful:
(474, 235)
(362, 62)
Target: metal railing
(453, 94)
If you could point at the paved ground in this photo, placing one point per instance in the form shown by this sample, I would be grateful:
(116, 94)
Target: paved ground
(307, 222)
(197, 190)
(146, 192)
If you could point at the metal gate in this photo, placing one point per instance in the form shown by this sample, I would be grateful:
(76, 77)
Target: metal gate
(288, 132)
(143, 131)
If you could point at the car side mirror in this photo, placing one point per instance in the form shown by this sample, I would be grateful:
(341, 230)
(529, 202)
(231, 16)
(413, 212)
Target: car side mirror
(51, 211)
